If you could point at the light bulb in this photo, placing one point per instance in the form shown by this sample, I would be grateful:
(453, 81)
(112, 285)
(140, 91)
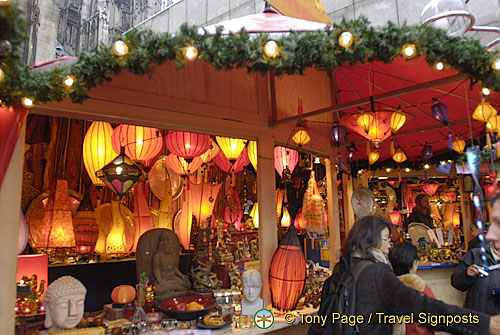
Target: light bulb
(388, 170)
(120, 48)
(426, 166)
(271, 49)
(439, 66)
(346, 39)
(68, 81)
(316, 160)
(407, 169)
(119, 170)
(27, 102)
(496, 64)
(190, 53)
(485, 91)
(2, 75)
(409, 50)
(442, 163)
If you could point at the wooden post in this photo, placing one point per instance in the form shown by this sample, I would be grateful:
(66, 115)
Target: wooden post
(266, 195)
(333, 210)
(347, 188)
(10, 208)
(465, 210)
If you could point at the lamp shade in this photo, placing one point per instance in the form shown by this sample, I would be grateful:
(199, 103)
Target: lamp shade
(231, 147)
(301, 137)
(483, 112)
(123, 294)
(450, 196)
(399, 157)
(351, 154)
(458, 145)
(398, 119)
(285, 158)
(430, 189)
(426, 152)
(187, 145)
(252, 153)
(121, 174)
(337, 134)
(85, 227)
(440, 112)
(285, 218)
(212, 151)
(373, 157)
(254, 213)
(181, 166)
(299, 222)
(28, 265)
(140, 143)
(395, 217)
(98, 149)
(493, 124)
(365, 120)
(232, 167)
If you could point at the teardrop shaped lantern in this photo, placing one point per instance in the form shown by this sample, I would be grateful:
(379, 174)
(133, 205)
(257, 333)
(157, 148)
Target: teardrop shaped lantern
(337, 134)
(97, 149)
(140, 143)
(399, 157)
(286, 218)
(231, 147)
(484, 111)
(252, 153)
(285, 158)
(459, 145)
(373, 157)
(85, 226)
(426, 152)
(187, 145)
(493, 124)
(365, 121)
(301, 137)
(440, 112)
(121, 174)
(287, 272)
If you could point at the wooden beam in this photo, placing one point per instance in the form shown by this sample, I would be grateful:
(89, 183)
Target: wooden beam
(378, 97)
(465, 210)
(347, 187)
(333, 210)
(274, 108)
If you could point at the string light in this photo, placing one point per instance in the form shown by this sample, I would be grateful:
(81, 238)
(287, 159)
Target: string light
(190, 53)
(407, 169)
(388, 170)
(68, 81)
(5, 2)
(496, 64)
(427, 166)
(120, 48)
(27, 102)
(486, 91)
(410, 50)
(271, 49)
(439, 66)
(346, 39)
(2, 75)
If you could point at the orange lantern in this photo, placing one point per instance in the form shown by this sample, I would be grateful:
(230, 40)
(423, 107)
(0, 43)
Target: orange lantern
(299, 222)
(285, 219)
(123, 294)
(116, 242)
(141, 143)
(395, 217)
(212, 151)
(287, 272)
(187, 145)
(98, 149)
(181, 166)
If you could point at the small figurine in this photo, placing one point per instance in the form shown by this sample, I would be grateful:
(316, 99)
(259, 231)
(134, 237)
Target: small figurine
(239, 253)
(204, 280)
(254, 249)
(235, 277)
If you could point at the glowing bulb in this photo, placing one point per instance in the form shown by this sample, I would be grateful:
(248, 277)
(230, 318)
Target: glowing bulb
(409, 50)
(140, 142)
(21, 282)
(119, 170)
(439, 66)
(68, 81)
(27, 102)
(496, 64)
(442, 163)
(426, 166)
(2, 75)
(271, 49)
(5, 2)
(388, 170)
(187, 145)
(316, 160)
(485, 91)
(120, 48)
(100, 151)
(190, 53)
(407, 169)
(346, 39)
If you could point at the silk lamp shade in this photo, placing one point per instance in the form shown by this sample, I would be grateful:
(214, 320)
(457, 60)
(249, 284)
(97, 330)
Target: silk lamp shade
(365, 120)
(140, 143)
(187, 145)
(286, 219)
(182, 166)
(458, 145)
(301, 137)
(98, 149)
(28, 265)
(285, 158)
(252, 153)
(398, 119)
(231, 147)
(430, 189)
(373, 157)
(395, 217)
(123, 294)
(212, 151)
(399, 157)
(254, 213)
(493, 124)
(484, 111)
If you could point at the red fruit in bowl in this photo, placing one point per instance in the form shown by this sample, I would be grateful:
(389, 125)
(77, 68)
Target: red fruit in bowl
(181, 306)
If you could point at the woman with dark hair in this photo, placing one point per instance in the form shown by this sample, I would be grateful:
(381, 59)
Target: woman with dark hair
(380, 297)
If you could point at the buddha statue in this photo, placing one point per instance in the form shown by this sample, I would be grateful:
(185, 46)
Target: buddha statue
(252, 284)
(64, 303)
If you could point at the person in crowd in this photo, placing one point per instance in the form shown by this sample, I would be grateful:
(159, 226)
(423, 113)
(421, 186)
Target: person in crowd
(481, 294)
(404, 261)
(380, 295)
(475, 242)
(421, 213)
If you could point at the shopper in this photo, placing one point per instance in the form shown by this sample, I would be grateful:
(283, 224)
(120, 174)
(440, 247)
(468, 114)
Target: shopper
(421, 213)
(380, 296)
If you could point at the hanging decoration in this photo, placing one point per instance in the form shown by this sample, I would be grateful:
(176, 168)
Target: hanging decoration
(365, 120)
(184, 220)
(399, 157)
(430, 189)
(484, 111)
(440, 113)
(231, 147)
(313, 207)
(285, 158)
(254, 213)
(373, 156)
(398, 119)
(299, 221)
(395, 217)
(232, 167)
(116, 242)
(142, 214)
(203, 196)
(285, 218)
(351, 153)
(301, 137)
(121, 174)
(287, 272)
(233, 212)
(212, 151)
(140, 143)
(337, 135)
(458, 145)
(493, 124)
(187, 145)
(181, 166)
(426, 154)
(97, 149)
(252, 153)
(85, 227)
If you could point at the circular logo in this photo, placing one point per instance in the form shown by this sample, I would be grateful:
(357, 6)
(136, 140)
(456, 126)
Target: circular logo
(263, 319)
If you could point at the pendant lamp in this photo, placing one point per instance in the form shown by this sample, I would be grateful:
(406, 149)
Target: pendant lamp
(187, 145)
(301, 137)
(399, 157)
(97, 149)
(373, 157)
(365, 121)
(458, 145)
(484, 111)
(285, 158)
(254, 213)
(140, 143)
(231, 147)
(252, 153)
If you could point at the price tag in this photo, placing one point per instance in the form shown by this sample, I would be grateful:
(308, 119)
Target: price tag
(433, 237)
(439, 233)
(450, 237)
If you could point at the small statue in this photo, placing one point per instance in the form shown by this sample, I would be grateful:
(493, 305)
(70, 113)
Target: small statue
(239, 253)
(254, 249)
(235, 277)
(252, 284)
(64, 303)
(204, 280)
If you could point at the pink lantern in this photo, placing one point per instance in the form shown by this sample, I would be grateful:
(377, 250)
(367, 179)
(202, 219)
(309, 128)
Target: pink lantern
(450, 196)
(430, 189)
(181, 166)
(141, 143)
(395, 217)
(285, 157)
(187, 145)
(225, 165)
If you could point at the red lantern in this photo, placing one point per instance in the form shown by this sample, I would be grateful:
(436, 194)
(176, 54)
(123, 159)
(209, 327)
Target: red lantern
(123, 294)
(187, 145)
(141, 143)
(299, 222)
(181, 166)
(490, 190)
(430, 189)
(395, 217)
(225, 165)
(287, 273)
(450, 196)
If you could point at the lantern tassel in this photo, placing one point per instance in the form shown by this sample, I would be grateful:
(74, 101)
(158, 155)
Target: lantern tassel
(340, 163)
(399, 174)
(450, 139)
(391, 148)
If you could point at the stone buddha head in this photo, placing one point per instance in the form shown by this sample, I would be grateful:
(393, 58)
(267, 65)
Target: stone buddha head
(64, 303)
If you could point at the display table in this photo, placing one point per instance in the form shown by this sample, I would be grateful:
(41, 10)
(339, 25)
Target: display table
(438, 277)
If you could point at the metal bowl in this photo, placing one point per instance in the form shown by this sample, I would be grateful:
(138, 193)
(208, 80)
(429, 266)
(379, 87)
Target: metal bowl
(169, 307)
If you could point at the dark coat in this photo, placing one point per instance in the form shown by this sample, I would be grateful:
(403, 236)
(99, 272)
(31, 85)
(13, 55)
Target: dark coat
(379, 291)
(479, 296)
(417, 216)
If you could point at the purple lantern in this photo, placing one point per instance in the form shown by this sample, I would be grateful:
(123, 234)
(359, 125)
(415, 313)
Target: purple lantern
(351, 153)
(337, 134)
(426, 152)
(440, 112)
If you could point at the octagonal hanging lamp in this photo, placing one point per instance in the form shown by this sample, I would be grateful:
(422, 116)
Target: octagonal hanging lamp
(231, 147)
(484, 111)
(140, 143)
(97, 149)
(458, 145)
(187, 145)
(285, 158)
(365, 120)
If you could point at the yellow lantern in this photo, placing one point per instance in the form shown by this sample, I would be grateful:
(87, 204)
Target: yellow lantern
(458, 145)
(212, 151)
(484, 111)
(254, 213)
(493, 124)
(285, 219)
(97, 149)
(301, 137)
(398, 119)
(399, 157)
(365, 120)
(373, 157)
(252, 153)
(231, 147)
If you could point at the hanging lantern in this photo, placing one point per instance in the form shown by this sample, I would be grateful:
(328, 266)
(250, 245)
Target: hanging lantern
(287, 272)
(97, 149)
(301, 137)
(142, 214)
(398, 119)
(484, 111)
(233, 212)
(183, 225)
(365, 121)
(337, 134)
(181, 166)
(395, 217)
(426, 152)
(440, 112)
(140, 143)
(85, 227)
(299, 222)
(225, 165)
(285, 218)
(252, 153)
(116, 241)
(458, 145)
(430, 189)
(493, 124)
(351, 153)
(254, 213)
(203, 201)
(285, 158)
(231, 147)
(121, 174)
(187, 145)
(399, 157)
(212, 151)
(450, 196)
(373, 157)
